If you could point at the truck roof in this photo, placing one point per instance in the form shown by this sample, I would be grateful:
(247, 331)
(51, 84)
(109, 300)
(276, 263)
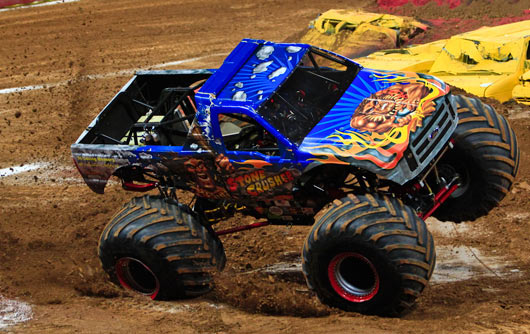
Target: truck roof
(251, 73)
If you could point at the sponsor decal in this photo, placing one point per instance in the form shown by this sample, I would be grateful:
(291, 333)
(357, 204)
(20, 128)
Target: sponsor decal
(95, 159)
(257, 182)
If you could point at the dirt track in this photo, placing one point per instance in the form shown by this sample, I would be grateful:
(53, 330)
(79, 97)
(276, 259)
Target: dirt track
(82, 53)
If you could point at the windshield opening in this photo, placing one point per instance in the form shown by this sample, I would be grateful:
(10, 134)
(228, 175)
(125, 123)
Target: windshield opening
(308, 94)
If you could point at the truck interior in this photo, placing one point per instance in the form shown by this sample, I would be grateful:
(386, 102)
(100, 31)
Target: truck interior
(308, 94)
(156, 109)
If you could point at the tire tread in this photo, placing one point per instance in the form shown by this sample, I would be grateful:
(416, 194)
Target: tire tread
(186, 252)
(391, 227)
(488, 145)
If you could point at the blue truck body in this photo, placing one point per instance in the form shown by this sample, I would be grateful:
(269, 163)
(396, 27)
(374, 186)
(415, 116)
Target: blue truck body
(310, 112)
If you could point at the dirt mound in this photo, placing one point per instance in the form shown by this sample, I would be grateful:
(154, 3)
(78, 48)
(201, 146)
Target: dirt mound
(399, 3)
(448, 18)
(262, 293)
(463, 9)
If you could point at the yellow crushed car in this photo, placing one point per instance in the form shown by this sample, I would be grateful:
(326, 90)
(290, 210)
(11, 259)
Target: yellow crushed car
(355, 33)
(521, 92)
(488, 62)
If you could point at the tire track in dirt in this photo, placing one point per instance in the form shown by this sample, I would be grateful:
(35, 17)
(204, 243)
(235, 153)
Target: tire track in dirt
(121, 73)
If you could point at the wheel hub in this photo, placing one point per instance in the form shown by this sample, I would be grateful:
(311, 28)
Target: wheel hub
(133, 274)
(449, 172)
(353, 277)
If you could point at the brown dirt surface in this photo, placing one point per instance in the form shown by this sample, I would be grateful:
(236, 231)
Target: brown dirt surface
(467, 9)
(446, 21)
(79, 55)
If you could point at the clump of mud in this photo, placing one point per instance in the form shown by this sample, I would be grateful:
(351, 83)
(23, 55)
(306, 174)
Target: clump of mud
(501, 108)
(99, 286)
(260, 293)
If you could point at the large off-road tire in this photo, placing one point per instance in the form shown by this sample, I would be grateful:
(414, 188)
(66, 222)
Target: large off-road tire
(485, 156)
(369, 254)
(158, 248)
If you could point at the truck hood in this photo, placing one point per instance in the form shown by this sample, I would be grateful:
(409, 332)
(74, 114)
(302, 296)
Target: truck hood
(375, 119)
(250, 74)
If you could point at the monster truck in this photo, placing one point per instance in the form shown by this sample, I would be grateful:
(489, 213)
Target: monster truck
(295, 135)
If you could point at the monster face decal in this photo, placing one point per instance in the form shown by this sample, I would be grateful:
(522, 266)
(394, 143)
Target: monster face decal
(204, 175)
(382, 117)
(200, 174)
(391, 108)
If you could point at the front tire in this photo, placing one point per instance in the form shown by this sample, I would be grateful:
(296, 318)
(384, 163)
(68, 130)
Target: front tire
(369, 254)
(159, 249)
(486, 158)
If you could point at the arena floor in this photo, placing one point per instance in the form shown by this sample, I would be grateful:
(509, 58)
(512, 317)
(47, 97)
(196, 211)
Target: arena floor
(60, 64)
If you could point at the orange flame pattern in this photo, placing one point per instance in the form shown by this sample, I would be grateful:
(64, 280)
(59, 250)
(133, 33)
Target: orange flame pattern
(390, 145)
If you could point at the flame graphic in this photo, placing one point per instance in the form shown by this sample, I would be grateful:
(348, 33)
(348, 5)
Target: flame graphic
(256, 164)
(383, 149)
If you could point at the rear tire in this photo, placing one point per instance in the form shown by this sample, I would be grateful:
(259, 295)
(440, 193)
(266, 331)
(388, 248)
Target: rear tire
(485, 156)
(159, 249)
(369, 254)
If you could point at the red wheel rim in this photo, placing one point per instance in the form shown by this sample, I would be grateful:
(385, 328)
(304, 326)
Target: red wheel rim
(133, 274)
(353, 277)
